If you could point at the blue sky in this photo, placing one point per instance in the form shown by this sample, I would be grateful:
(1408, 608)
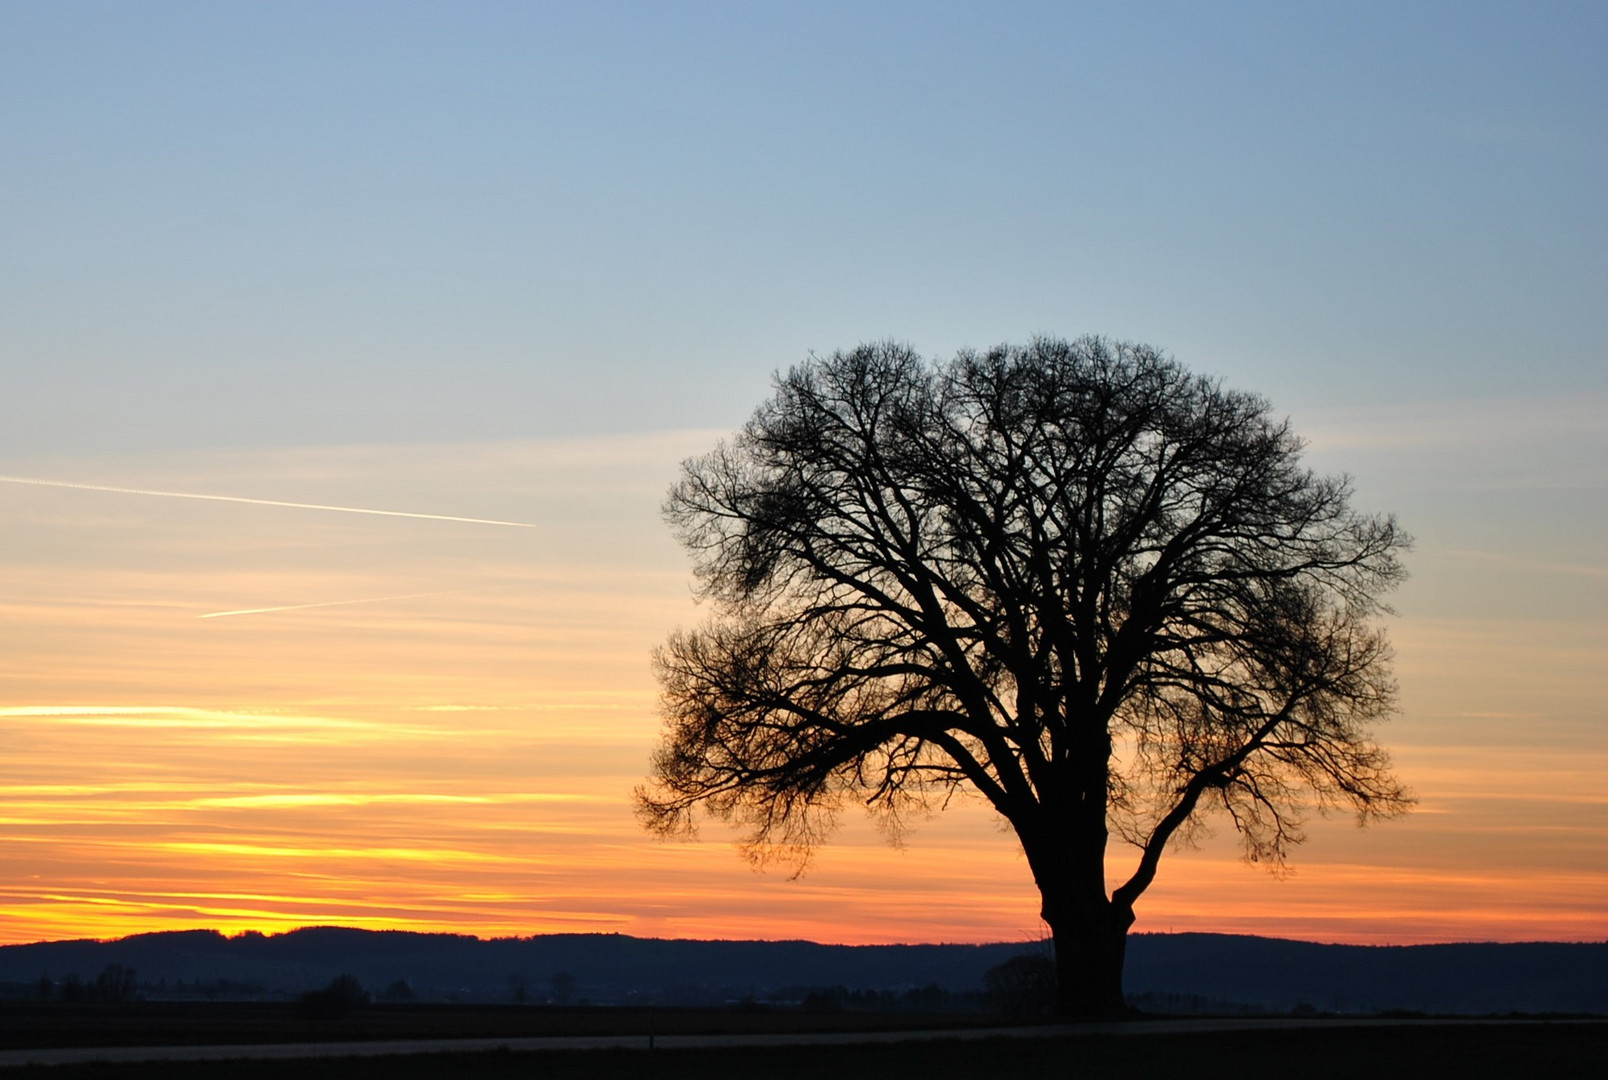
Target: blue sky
(328, 223)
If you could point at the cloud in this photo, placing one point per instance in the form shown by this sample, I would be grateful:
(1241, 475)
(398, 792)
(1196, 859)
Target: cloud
(327, 603)
(1479, 422)
(1539, 566)
(263, 502)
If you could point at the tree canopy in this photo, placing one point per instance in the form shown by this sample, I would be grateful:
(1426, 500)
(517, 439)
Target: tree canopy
(1097, 589)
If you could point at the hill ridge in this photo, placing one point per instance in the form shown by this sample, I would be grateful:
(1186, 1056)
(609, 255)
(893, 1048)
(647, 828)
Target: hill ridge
(610, 967)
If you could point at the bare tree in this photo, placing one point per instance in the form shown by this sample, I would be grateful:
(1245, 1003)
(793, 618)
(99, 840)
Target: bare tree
(1093, 587)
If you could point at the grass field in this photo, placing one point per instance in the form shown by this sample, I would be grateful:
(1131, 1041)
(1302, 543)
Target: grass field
(1465, 1052)
(1428, 1049)
(29, 1025)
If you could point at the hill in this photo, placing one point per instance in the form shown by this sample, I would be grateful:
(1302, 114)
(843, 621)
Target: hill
(1172, 972)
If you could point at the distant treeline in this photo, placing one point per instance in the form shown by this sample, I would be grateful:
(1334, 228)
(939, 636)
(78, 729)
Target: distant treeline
(1174, 973)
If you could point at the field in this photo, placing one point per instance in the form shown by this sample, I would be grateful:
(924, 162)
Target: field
(29, 1025)
(1422, 1049)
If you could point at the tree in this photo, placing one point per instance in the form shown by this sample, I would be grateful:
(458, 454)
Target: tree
(337, 1000)
(1097, 589)
(115, 985)
(400, 992)
(1023, 985)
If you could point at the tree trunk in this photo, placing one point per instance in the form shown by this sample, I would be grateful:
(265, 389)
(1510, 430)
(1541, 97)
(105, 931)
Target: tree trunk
(1089, 931)
(1090, 945)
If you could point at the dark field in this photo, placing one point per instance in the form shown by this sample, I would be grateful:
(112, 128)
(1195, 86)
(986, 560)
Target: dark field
(28, 1025)
(1509, 1050)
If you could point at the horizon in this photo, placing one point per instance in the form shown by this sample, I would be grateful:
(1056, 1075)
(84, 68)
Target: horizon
(764, 941)
(349, 356)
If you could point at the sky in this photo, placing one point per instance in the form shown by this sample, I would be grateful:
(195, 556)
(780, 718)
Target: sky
(515, 262)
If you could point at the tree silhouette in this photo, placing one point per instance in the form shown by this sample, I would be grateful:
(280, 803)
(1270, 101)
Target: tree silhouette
(1093, 587)
(1022, 986)
(115, 984)
(338, 999)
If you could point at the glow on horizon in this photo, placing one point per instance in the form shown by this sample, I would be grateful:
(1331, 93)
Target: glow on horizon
(516, 261)
(461, 760)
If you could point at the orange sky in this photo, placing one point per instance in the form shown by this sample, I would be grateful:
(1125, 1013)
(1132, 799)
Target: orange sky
(382, 244)
(456, 751)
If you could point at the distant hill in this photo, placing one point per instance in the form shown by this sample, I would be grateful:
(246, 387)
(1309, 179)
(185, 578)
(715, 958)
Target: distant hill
(601, 968)
(1280, 975)
(1176, 971)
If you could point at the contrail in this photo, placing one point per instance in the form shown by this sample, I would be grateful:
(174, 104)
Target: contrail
(327, 603)
(264, 502)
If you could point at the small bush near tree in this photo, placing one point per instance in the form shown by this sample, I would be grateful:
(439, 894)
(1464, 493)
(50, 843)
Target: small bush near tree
(1022, 986)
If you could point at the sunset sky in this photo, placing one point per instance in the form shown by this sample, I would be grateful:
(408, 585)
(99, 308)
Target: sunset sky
(498, 268)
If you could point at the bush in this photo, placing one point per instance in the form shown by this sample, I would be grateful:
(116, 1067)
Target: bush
(341, 997)
(398, 993)
(1023, 985)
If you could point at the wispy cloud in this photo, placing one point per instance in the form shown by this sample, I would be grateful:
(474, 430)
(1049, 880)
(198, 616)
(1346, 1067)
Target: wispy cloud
(1543, 566)
(1455, 423)
(263, 502)
(179, 717)
(327, 603)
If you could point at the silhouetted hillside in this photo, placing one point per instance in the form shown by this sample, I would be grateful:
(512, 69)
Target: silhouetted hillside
(1465, 978)
(1176, 970)
(602, 968)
